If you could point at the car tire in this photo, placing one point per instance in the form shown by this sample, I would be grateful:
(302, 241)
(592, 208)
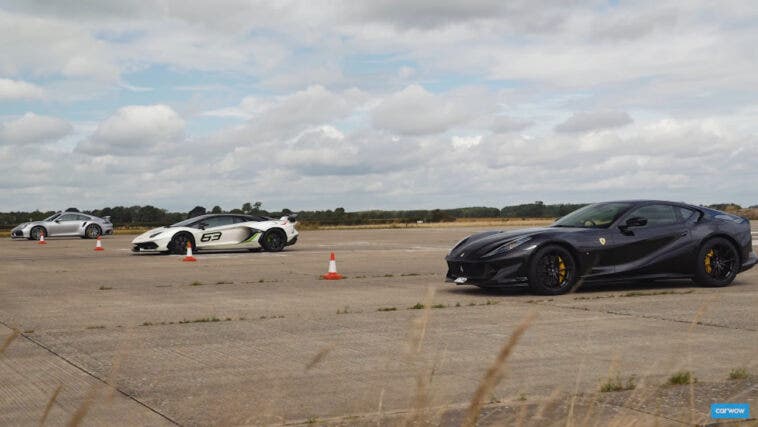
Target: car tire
(552, 270)
(35, 231)
(93, 231)
(178, 243)
(273, 240)
(717, 263)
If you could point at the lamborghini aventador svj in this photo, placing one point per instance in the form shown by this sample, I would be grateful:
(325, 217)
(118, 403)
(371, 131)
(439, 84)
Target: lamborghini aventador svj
(625, 240)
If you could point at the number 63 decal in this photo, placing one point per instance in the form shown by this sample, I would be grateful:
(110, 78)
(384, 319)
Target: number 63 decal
(210, 237)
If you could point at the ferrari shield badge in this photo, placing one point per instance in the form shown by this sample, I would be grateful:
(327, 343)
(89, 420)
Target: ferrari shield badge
(602, 241)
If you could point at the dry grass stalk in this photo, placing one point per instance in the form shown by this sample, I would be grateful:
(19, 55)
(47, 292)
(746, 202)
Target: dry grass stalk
(492, 378)
(9, 340)
(418, 332)
(83, 409)
(49, 405)
(379, 410)
(320, 356)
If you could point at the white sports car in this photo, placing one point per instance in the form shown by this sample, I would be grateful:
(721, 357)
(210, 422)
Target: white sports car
(221, 231)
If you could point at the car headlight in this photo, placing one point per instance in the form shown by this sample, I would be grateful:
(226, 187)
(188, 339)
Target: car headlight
(508, 246)
(457, 244)
(22, 226)
(155, 234)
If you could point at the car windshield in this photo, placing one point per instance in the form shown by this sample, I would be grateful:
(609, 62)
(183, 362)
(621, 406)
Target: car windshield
(185, 223)
(600, 215)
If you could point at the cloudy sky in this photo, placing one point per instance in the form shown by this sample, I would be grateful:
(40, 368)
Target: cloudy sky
(387, 104)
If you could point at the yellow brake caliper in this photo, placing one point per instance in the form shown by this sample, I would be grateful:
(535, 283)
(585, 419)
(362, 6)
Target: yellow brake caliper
(708, 257)
(561, 270)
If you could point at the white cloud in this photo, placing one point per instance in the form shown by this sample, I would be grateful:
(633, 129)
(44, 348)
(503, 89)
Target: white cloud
(394, 95)
(33, 129)
(135, 130)
(505, 124)
(49, 46)
(16, 89)
(415, 111)
(595, 120)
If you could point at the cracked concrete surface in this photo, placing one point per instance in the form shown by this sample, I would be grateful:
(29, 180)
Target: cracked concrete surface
(257, 338)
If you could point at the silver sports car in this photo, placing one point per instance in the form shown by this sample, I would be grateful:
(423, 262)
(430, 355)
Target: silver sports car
(65, 224)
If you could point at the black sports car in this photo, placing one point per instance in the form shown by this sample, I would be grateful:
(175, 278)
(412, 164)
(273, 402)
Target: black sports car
(623, 240)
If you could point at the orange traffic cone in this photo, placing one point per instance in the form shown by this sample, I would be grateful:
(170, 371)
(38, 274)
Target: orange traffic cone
(189, 257)
(332, 273)
(42, 238)
(99, 245)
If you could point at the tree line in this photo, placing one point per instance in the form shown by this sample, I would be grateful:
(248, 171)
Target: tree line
(141, 216)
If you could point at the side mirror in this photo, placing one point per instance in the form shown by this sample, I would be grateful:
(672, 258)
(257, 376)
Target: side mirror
(635, 221)
(202, 225)
(57, 221)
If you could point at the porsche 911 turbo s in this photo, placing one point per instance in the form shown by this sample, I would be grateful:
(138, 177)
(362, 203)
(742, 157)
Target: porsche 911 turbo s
(64, 224)
(220, 231)
(624, 240)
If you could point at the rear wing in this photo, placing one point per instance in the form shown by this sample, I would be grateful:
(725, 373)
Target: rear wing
(290, 218)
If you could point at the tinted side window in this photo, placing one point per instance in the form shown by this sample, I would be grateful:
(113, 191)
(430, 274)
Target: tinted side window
(686, 214)
(218, 221)
(68, 217)
(656, 215)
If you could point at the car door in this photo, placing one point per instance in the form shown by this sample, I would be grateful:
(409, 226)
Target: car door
(652, 239)
(219, 231)
(65, 225)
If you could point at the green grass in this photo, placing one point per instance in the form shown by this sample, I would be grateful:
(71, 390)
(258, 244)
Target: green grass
(418, 306)
(738, 374)
(645, 294)
(439, 306)
(96, 327)
(617, 384)
(197, 283)
(104, 288)
(346, 310)
(387, 309)
(682, 377)
(201, 320)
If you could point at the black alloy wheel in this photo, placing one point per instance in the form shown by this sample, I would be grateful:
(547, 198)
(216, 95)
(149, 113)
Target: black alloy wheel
(552, 270)
(717, 263)
(178, 244)
(273, 240)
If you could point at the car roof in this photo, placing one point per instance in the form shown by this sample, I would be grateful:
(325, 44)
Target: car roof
(651, 201)
(221, 214)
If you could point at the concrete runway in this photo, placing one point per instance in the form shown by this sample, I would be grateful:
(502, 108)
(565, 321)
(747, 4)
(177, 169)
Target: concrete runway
(257, 338)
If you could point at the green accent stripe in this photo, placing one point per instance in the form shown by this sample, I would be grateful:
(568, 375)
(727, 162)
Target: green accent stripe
(252, 238)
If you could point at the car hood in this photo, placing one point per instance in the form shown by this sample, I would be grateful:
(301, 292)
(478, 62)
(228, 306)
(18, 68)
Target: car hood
(146, 235)
(477, 245)
(29, 224)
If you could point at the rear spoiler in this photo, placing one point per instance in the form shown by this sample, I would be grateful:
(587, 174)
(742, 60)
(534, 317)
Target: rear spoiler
(290, 218)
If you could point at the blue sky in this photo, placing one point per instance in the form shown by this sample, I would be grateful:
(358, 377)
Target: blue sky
(375, 105)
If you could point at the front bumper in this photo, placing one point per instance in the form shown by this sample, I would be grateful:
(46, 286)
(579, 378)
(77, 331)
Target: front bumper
(145, 243)
(20, 233)
(750, 262)
(145, 247)
(505, 272)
